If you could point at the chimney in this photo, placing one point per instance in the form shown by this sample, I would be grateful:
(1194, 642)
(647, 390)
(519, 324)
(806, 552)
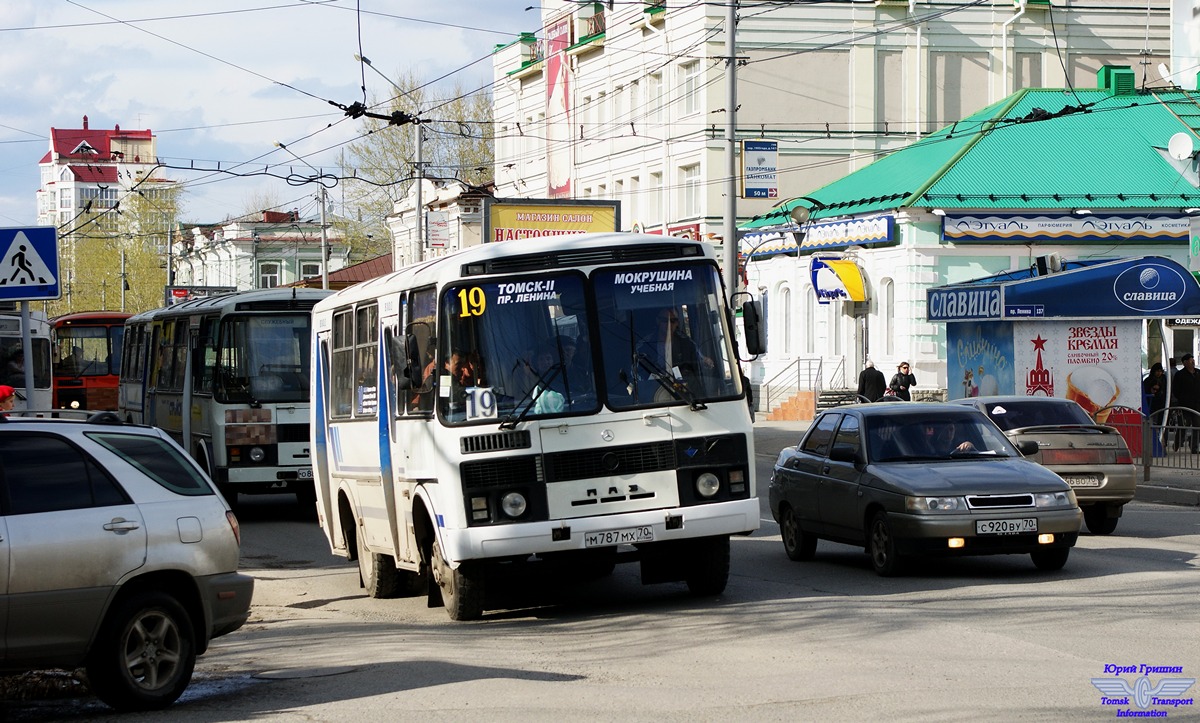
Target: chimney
(85, 123)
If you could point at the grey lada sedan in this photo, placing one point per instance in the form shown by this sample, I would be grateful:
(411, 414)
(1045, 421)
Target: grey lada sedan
(908, 479)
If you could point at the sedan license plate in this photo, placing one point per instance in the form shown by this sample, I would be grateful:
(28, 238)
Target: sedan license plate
(627, 536)
(304, 473)
(1005, 527)
(1081, 480)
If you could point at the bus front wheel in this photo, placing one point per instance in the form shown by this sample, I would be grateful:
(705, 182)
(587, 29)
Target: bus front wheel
(709, 566)
(461, 588)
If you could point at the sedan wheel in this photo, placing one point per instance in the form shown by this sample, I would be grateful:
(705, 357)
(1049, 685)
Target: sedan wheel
(144, 655)
(1051, 559)
(798, 544)
(881, 545)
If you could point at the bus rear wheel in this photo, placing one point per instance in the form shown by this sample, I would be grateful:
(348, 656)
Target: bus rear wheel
(461, 588)
(377, 573)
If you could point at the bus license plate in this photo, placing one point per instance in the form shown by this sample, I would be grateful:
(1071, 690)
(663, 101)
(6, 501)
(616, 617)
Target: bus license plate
(304, 473)
(627, 536)
(1005, 527)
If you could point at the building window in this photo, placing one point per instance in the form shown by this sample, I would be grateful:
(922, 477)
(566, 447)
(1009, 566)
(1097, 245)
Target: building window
(785, 305)
(66, 199)
(634, 209)
(689, 76)
(689, 191)
(268, 275)
(887, 314)
(310, 269)
(654, 214)
(809, 318)
(654, 98)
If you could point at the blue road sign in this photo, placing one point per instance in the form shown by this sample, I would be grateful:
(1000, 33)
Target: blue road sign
(29, 264)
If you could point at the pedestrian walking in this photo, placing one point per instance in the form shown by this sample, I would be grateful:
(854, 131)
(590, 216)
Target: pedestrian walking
(871, 383)
(1186, 389)
(902, 381)
(1154, 386)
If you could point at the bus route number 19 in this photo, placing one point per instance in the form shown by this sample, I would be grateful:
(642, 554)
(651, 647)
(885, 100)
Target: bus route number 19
(481, 403)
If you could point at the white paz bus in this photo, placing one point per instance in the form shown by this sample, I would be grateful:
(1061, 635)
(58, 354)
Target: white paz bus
(239, 364)
(572, 400)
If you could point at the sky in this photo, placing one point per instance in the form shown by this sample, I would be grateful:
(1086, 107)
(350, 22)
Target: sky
(224, 81)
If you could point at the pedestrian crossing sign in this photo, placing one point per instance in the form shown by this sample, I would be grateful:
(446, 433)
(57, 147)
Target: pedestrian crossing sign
(29, 264)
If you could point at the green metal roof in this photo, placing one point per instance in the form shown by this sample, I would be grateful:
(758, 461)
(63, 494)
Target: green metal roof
(1037, 149)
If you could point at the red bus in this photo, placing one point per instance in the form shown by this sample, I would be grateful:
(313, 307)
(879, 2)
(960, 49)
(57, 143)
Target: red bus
(87, 359)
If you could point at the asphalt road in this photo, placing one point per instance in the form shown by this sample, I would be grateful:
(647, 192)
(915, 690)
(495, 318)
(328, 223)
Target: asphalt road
(972, 639)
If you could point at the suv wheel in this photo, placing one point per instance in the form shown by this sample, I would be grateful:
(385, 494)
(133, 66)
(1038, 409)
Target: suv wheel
(143, 656)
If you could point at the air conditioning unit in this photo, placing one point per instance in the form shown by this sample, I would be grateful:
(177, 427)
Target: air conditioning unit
(1048, 264)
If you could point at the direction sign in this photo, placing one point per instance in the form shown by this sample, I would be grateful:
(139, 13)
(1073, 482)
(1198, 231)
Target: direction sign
(29, 264)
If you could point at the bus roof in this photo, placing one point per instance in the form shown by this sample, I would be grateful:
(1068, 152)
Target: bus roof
(85, 317)
(230, 302)
(543, 253)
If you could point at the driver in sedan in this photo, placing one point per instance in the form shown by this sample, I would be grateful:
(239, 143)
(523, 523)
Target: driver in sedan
(941, 439)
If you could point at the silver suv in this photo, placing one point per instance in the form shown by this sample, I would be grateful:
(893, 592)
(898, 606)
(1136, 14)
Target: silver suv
(116, 554)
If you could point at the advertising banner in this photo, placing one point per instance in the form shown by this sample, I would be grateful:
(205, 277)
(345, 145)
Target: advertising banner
(1095, 363)
(1096, 228)
(558, 107)
(760, 172)
(979, 359)
(532, 218)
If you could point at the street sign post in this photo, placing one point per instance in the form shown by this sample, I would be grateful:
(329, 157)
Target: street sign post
(29, 264)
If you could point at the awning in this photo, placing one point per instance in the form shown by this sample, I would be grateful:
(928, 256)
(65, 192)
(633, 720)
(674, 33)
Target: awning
(1146, 287)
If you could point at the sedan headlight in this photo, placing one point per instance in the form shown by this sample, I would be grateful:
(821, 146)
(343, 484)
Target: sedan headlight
(935, 504)
(1066, 498)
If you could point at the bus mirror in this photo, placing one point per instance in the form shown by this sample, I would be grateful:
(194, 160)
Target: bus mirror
(756, 336)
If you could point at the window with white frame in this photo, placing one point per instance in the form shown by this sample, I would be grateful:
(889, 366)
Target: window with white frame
(809, 319)
(655, 198)
(66, 198)
(785, 312)
(268, 275)
(689, 191)
(310, 269)
(689, 82)
(654, 98)
(633, 210)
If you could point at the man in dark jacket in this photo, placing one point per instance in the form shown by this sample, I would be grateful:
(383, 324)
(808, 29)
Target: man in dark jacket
(1185, 388)
(871, 383)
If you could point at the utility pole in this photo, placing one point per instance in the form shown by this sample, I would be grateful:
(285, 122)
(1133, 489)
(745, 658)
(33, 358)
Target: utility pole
(420, 226)
(324, 244)
(731, 190)
(124, 284)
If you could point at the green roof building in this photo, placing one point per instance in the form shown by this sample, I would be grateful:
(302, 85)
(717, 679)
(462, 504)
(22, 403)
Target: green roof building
(1045, 174)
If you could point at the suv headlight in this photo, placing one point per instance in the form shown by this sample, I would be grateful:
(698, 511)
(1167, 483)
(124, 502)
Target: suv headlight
(935, 504)
(1065, 498)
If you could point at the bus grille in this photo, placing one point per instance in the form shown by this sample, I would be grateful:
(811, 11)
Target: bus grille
(501, 472)
(496, 442)
(293, 433)
(632, 459)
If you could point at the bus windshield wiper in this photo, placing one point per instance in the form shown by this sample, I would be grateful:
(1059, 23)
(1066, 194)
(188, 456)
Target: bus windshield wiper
(540, 386)
(675, 387)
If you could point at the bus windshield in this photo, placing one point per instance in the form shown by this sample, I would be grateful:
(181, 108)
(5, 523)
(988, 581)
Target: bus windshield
(662, 335)
(264, 358)
(89, 350)
(522, 348)
(513, 347)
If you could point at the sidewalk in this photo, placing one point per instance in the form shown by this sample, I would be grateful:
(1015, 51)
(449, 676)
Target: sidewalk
(1165, 486)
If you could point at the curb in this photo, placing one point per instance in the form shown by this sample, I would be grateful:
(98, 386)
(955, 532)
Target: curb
(1167, 495)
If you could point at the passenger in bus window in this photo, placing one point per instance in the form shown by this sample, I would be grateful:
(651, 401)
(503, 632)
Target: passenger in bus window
(8, 397)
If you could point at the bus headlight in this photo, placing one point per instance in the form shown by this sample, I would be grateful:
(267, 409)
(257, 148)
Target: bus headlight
(513, 504)
(707, 484)
(257, 454)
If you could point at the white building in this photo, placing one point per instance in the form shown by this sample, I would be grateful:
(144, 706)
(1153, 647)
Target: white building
(262, 251)
(627, 101)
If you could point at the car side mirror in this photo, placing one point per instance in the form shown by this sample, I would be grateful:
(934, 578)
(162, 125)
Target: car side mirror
(1027, 447)
(844, 453)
